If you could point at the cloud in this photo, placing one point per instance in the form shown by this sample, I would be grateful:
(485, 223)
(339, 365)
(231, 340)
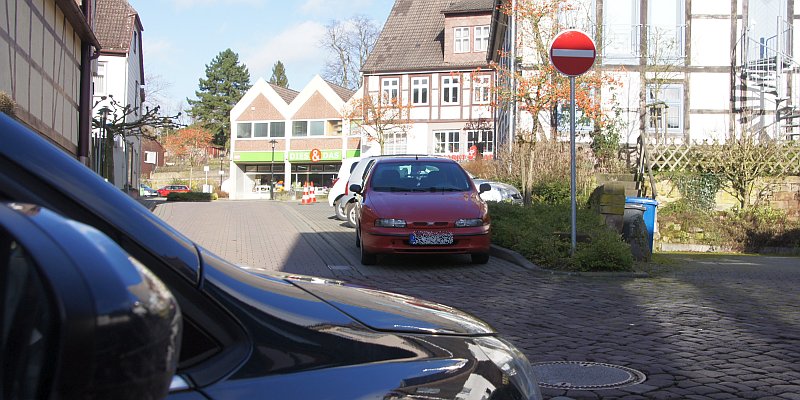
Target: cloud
(297, 47)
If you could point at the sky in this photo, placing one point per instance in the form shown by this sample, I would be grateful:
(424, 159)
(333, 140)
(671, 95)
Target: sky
(181, 37)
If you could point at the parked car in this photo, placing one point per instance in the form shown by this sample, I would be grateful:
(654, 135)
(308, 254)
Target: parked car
(500, 192)
(245, 332)
(147, 191)
(166, 190)
(347, 202)
(421, 205)
(339, 187)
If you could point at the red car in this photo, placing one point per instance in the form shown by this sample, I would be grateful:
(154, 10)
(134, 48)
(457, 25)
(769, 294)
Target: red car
(166, 190)
(421, 205)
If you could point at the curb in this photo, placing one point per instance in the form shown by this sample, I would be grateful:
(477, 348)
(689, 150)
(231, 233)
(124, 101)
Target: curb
(516, 258)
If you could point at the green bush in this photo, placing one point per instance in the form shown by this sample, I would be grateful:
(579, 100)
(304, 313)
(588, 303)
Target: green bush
(554, 192)
(540, 233)
(191, 196)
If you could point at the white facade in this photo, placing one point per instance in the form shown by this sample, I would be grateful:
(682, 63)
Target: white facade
(438, 126)
(690, 71)
(121, 76)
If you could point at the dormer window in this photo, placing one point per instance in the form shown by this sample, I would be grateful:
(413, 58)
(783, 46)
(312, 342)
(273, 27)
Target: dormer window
(461, 40)
(481, 38)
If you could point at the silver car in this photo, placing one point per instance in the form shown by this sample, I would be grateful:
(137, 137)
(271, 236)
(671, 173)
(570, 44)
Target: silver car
(500, 192)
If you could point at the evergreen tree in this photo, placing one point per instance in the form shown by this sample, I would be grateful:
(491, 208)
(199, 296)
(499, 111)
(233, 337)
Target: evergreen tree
(279, 75)
(225, 83)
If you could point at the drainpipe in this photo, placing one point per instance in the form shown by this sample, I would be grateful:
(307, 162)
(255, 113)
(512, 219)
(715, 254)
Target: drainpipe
(512, 124)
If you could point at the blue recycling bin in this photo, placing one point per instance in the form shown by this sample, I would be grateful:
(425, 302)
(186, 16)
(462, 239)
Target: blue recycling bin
(649, 213)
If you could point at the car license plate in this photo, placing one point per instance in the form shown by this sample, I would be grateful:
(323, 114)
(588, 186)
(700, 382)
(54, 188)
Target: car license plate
(431, 238)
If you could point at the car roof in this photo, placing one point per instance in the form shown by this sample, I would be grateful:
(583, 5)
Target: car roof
(406, 158)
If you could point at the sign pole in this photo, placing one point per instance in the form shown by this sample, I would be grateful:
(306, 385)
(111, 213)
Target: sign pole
(572, 170)
(572, 53)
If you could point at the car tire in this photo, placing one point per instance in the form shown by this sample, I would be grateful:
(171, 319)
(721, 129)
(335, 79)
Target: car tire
(480, 258)
(358, 237)
(338, 209)
(350, 213)
(366, 257)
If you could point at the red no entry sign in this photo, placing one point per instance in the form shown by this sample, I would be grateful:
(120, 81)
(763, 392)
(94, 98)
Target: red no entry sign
(572, 52)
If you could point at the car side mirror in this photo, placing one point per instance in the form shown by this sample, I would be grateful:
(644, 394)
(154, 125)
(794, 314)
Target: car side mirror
(484, 187)
(356, 188)
(79, 317)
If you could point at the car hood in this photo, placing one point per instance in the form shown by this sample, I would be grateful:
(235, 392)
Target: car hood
(427, 206)
(392, 312)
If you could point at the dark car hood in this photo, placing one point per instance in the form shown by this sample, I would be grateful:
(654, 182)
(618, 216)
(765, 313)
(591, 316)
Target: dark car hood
(389, 312)
(427, 205)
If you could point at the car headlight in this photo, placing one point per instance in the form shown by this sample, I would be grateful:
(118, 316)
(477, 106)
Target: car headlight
(390, 223)
(467, 222)
(513, 363)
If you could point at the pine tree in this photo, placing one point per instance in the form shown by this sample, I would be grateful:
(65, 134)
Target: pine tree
(279, 75)
(225, 83)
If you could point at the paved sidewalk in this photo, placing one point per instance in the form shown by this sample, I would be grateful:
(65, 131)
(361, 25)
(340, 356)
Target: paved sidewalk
(725, 327)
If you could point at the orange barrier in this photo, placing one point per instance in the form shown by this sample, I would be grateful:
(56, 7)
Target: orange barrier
(306, 198)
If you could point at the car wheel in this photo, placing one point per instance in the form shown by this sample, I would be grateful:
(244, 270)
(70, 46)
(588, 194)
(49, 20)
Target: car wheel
(350, 212)
(338, 209)
(366, 258)
(358, 237)
(480, 258)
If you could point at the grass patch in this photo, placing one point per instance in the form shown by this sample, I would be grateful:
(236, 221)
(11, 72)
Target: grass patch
(537, 232)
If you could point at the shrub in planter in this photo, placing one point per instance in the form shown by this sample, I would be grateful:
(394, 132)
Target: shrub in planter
(540, 233)
(192, 196)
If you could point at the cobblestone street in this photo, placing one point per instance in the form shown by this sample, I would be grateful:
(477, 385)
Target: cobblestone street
(723, 328)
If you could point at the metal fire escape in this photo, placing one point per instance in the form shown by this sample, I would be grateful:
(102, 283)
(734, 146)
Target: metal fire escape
(767, 89)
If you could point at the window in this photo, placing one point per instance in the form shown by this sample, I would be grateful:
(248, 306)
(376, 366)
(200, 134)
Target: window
(665, 32)
(277, 129)
(664, 109)
(261, 129)
(99, 79)
(395, 143)
(150, 157)
(308, 128)
(582, 122)
(244, 130)
(461, 40)
(299, 128)
(483, 140)
(316, 128)
(621, 27)
(447, 142)
(419, 91)
(480, 89)
(390, 89)
(481, 38)
(450, 88)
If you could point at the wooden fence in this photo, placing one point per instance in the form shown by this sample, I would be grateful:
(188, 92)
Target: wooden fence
(782, 158)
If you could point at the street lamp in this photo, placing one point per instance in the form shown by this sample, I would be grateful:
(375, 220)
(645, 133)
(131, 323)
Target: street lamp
(273, 142)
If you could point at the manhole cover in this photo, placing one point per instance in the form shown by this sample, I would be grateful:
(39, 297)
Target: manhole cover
(581, 375)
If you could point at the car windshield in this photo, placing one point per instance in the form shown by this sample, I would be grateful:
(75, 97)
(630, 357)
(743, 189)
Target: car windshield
(419, 176)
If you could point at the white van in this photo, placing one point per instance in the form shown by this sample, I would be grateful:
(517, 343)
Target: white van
(339, 187)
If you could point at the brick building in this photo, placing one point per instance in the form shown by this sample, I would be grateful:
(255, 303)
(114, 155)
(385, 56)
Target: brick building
(289, 137)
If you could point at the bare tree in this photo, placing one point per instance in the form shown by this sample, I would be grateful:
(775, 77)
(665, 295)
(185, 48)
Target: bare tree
(348, 44)
(380, 118)
(113, 120)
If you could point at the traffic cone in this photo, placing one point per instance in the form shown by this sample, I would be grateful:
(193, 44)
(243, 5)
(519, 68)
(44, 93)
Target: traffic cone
(313, 193)
(306, 199)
